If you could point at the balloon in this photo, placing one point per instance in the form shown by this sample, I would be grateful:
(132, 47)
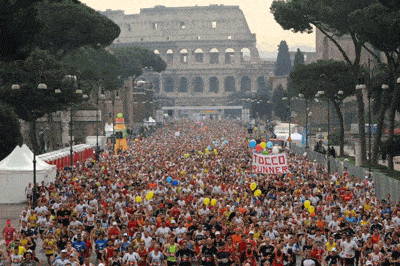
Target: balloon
(275, 150)
(311, 209)
(148, 197)
(307, 204)
(253, 186)
(138, 199)
(265, 153)
(175, 182)
(313, 214)
(269, 144)
(263, 145)
(200, 152)
(169, 179)
(213, 202)
(257, 193)
(120, 115)
(215, 150)
(226, 142)
(187, 155)
(206, 201)
(255, 128)
(209, 147)
(252, 144)
(258, 147)
(182, 172)
(207, 151)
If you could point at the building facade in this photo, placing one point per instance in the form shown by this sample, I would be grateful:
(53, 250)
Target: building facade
(209, 50)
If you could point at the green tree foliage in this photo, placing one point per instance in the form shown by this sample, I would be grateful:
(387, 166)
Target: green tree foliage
(283, 63)
(383, 32)
(328, 76)
(58, 25)
(30, 102)
(279, 106)
(10, 134)
(68, 25)
(333, 19)
(134, 59)
(93, 65)
(18, 27)
(298, 59)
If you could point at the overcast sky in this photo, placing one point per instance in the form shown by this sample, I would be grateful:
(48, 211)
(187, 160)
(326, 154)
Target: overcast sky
(260, 20)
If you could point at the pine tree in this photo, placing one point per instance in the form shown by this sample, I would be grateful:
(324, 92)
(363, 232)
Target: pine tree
(283, 63)
(298, 59)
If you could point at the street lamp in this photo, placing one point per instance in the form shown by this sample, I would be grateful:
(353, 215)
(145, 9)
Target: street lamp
(97, 150)
(290, 120)
(307, 109)
(41, 86)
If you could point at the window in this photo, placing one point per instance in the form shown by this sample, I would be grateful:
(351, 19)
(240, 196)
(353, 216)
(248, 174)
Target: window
(214, 24)
(183, 26)
(155, 26)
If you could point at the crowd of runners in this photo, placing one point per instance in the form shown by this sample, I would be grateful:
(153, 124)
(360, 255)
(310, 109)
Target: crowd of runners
(183, 197)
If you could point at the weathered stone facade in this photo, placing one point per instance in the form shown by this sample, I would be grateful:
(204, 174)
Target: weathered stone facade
(209, 50)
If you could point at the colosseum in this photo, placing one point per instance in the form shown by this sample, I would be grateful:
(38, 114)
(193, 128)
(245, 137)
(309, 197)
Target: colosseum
(210, 52)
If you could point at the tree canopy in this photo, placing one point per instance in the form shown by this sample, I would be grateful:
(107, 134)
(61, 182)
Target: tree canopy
(298, 59)
(10, 134)
(57, 25)
(283, 63)
(134, 59)
(306, 79)
(68, 25)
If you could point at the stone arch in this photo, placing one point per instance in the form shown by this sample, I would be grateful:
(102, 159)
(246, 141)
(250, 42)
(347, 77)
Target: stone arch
(245, 84)
(229, 56)
(229, 84)
(156, 84)
(261, 86)
(183, 85)
(198, 55)
(170, 56)
(214, 56)
(169, 84)
(214, 84)
(245, 54)
(184, 56)
(198, 84)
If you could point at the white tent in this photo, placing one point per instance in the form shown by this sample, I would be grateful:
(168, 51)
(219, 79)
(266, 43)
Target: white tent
(108, 128)
(296, 136)
(152, 120)
(16, 171)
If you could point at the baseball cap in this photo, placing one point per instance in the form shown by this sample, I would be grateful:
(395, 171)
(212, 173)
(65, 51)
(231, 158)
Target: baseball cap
(333, 249)
(63, 251)
(115, 223)
(125, 234)
(217, 233)
(368, 262)
(8, 222)
(251, 232)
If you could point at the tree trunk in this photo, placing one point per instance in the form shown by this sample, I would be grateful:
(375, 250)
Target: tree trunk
(50, 131)
(392, 115)
(361, 125)
(379, 131)
(33, 137)
(341, 129)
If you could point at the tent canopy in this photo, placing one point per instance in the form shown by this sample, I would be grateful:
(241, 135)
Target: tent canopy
(296, 136)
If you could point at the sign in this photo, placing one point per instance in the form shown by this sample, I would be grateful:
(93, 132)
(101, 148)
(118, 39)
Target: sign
(270, 164)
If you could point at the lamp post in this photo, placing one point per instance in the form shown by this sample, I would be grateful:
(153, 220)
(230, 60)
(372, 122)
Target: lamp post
(97, 150)
(290, 120)
(302, 97)
(41, 86)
